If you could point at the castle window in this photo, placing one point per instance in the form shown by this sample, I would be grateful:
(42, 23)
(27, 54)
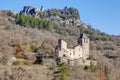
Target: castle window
(70, 53)
(64, 55)
(67, 13)
(85, 41)
(61, 12)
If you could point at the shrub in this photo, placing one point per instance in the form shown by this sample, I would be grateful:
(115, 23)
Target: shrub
(33, 22)
(90, 67)
(63, 71)
(15, 63)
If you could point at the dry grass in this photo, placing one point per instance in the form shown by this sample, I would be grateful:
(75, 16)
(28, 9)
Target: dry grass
(20, 40)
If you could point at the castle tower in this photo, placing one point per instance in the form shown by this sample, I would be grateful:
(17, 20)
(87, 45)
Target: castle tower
(84, 42)
(62, 44)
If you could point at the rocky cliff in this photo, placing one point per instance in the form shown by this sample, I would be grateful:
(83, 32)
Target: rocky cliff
(69, 16)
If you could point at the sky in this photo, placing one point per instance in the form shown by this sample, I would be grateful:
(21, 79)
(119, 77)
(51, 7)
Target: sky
(101, 14)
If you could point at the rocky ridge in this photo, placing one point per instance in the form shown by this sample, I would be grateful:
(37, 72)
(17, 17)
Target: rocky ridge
(69, 16)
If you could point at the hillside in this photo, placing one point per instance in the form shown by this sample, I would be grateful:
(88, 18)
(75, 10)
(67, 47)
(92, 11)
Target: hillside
(37, 31)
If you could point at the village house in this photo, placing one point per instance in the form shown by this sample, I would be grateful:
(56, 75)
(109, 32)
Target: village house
(77, 55)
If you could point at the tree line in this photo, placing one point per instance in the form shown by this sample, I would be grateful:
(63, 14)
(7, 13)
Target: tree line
(31, 21)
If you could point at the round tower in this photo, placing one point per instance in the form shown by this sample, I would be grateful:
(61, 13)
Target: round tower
(84, 42)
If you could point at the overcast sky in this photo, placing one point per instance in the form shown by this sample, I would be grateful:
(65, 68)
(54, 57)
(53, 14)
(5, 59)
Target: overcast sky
(101, 14)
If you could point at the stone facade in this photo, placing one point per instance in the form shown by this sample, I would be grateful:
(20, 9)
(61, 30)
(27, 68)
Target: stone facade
(77, 55)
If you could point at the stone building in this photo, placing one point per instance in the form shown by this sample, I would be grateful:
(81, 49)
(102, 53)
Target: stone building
(77, 55)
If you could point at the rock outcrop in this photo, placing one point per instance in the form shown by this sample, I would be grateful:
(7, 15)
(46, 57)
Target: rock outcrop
(70, 16)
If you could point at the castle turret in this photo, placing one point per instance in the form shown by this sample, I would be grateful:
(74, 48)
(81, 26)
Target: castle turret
(62, 44)
(84, 42)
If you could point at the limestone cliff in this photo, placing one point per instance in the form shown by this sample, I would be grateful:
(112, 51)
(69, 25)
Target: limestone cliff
(69, 16)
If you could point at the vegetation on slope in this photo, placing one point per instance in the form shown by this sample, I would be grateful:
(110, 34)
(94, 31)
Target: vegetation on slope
(63, 72)
(23, 41)
(23, 20)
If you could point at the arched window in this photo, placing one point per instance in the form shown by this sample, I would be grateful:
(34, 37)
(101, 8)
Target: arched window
(64, 55)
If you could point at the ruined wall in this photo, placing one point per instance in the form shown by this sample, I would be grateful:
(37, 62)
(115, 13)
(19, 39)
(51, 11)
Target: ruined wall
(62, 44)
(78, 52)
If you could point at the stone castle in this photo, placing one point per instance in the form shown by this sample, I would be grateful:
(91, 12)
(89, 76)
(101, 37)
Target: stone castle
(77, 55)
